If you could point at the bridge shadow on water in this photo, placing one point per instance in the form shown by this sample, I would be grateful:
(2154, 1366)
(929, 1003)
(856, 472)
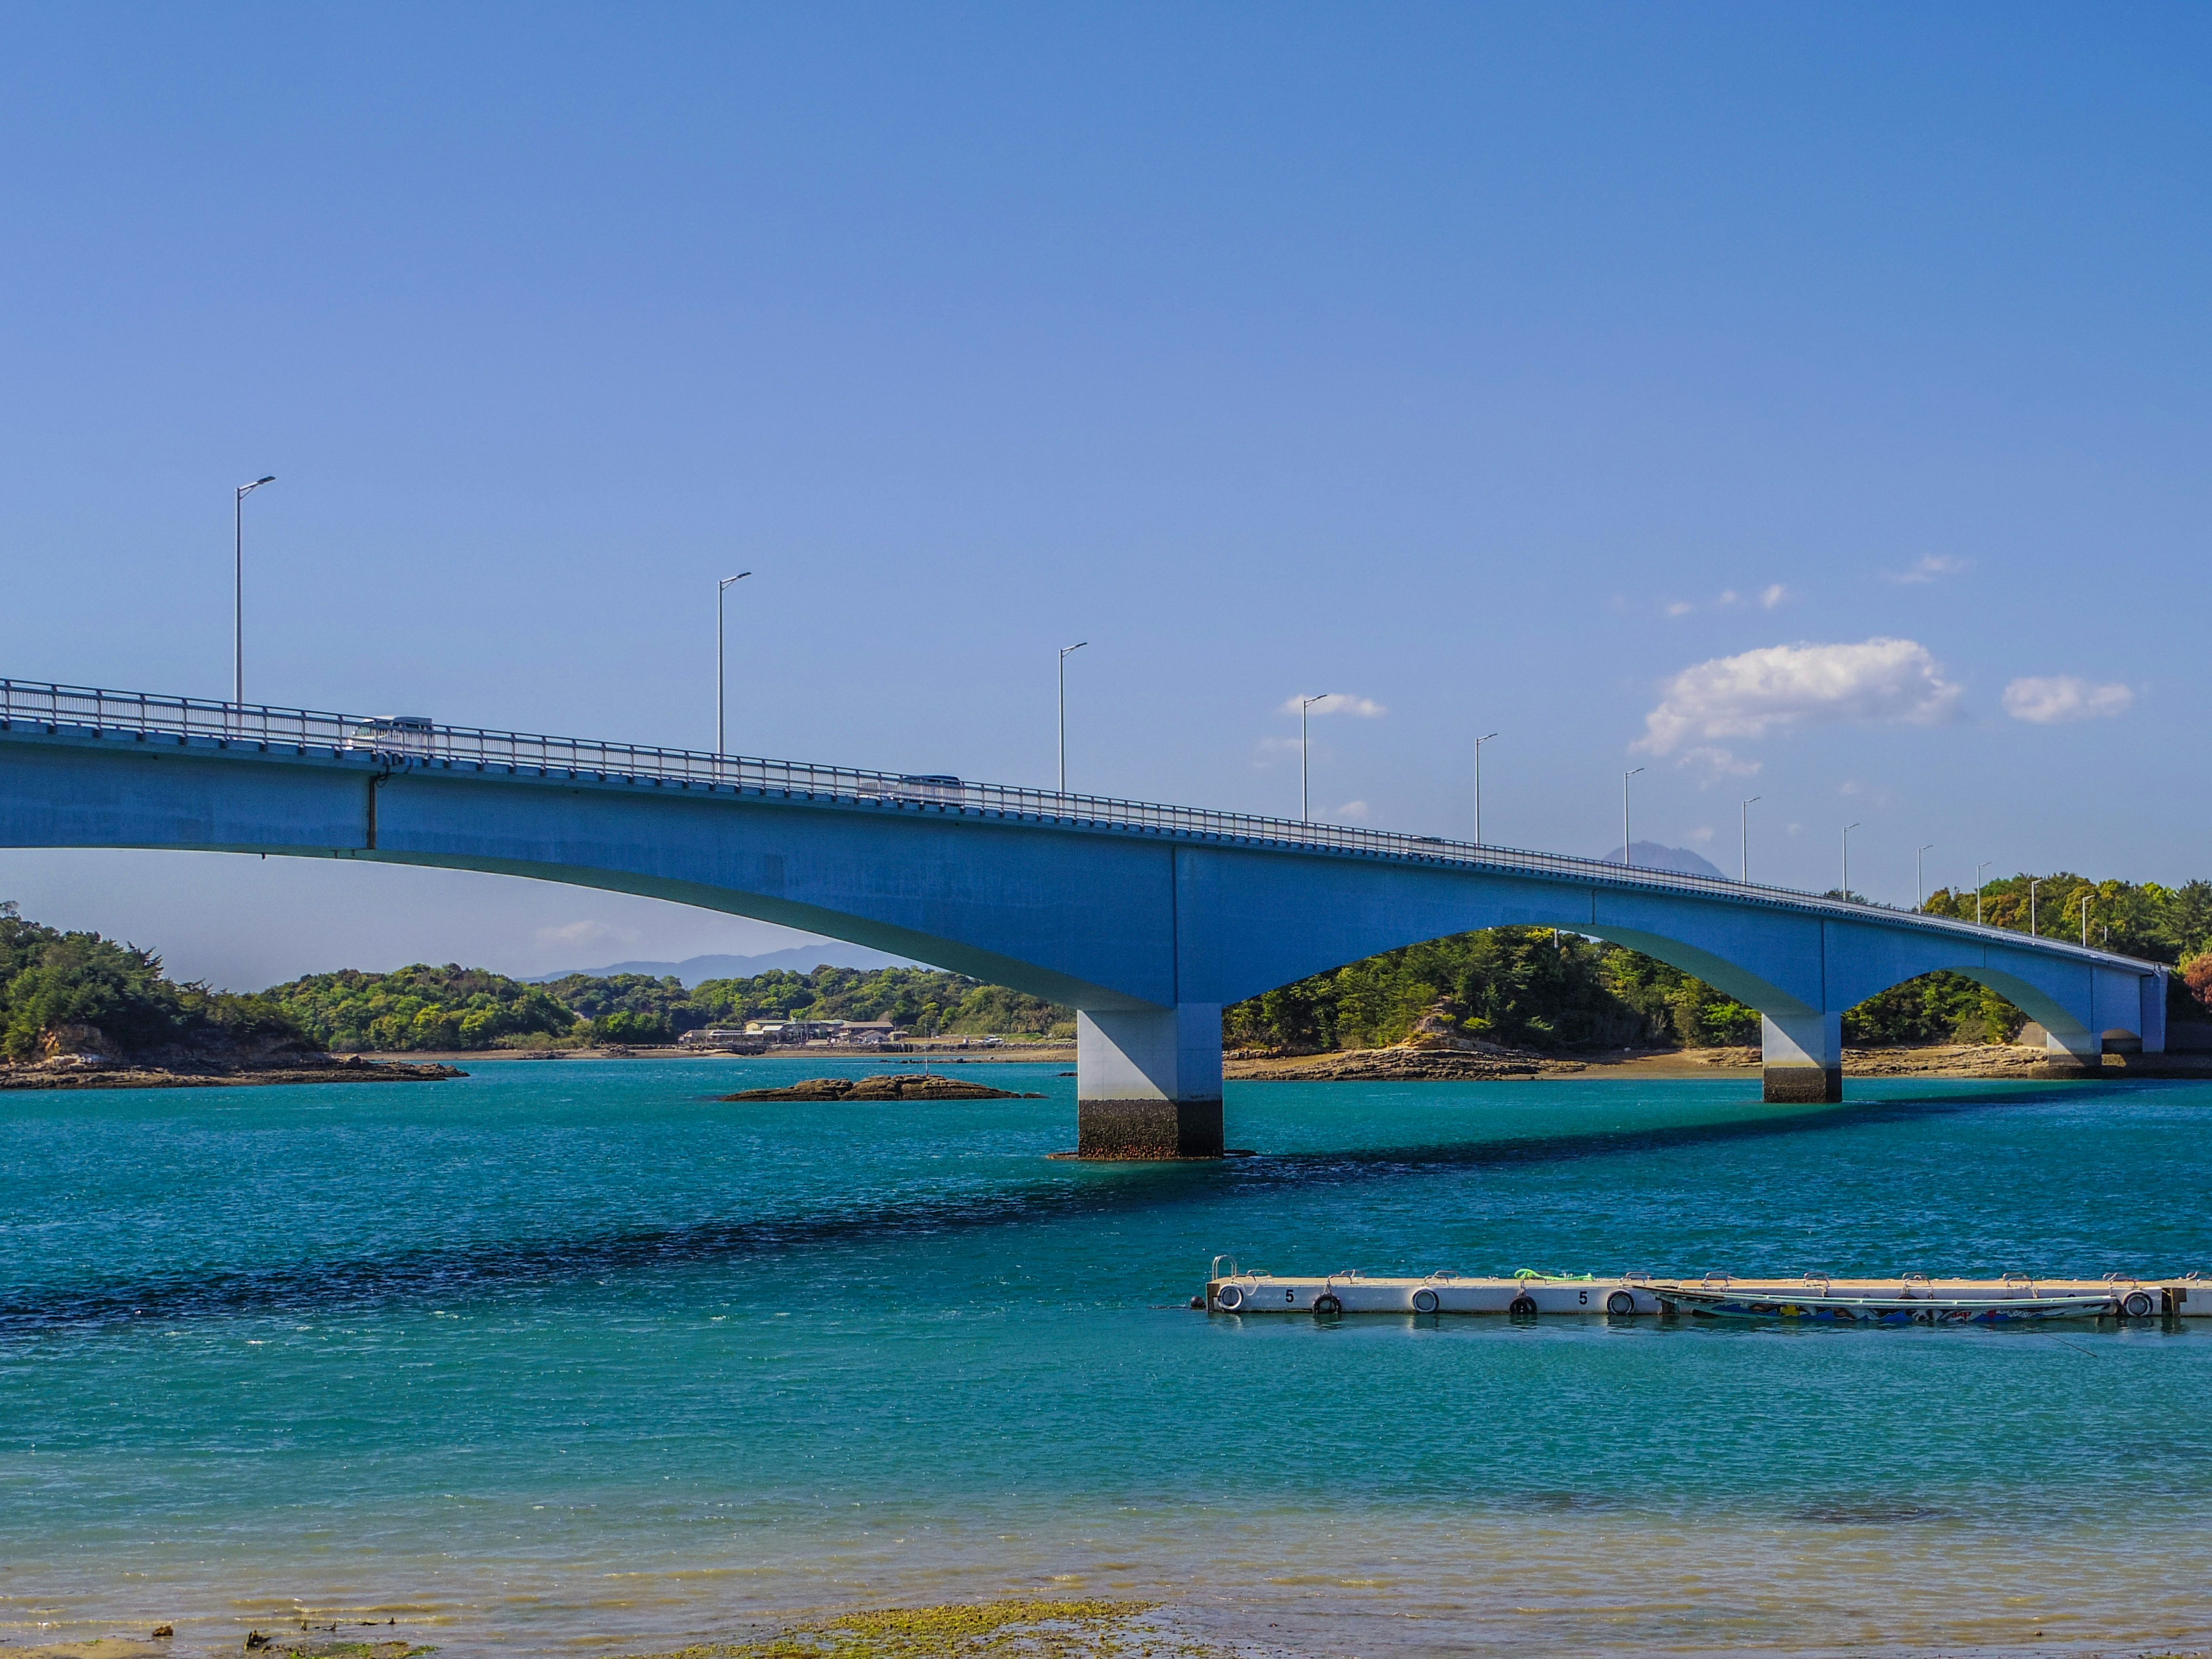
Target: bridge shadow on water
(440, 1271)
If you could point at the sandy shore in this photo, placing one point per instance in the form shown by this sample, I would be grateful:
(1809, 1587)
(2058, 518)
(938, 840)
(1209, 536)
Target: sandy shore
(1993, 1061)
(1061, 1628)
(1061, 1053)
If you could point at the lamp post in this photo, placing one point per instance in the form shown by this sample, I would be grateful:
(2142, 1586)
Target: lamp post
(1978, 885)
(238, 590)
(1627, 857)
(2085, 921)
(1746, 839)
(1066, 652)
(1847, 859)
(2032, 886)
(721, 699)
(1305, 811)
(1479, 742)
(1920, 878)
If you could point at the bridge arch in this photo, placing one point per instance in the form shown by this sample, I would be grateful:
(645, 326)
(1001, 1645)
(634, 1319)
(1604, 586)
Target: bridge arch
(1147, 920)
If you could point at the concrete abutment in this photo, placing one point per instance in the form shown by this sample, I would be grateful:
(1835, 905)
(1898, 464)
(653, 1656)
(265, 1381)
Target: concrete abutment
(1148, 1081)
(1803, 1059)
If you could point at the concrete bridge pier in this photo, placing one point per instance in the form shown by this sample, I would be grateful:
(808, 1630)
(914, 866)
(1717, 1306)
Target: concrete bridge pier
(1803, 1056)
(2074, 1052)
(1148, 1081)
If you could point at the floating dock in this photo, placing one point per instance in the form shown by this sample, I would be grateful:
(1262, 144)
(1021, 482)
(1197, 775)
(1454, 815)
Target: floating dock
(1230, 1289)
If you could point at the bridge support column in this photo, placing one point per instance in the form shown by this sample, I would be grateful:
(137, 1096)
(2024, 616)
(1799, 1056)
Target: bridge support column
(2073, 1054)
(1803, 1058)
(1148, 1084)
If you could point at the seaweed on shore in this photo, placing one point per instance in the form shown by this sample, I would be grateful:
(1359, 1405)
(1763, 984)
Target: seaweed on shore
(989, 1630)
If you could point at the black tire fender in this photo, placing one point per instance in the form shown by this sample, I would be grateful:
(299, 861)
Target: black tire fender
(1228, 1298)
(1621, 1302)
(1427, 1301)
(1524, 1303)
(1326, 1306)
(2137, 1305)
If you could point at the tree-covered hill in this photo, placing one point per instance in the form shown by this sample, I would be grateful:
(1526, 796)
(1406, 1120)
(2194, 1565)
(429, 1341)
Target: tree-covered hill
(453, 1007)
(420, 1007)
(79, 993)
(1531, 987)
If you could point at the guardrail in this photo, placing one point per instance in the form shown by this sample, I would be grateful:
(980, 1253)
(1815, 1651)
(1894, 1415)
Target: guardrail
(422, 743)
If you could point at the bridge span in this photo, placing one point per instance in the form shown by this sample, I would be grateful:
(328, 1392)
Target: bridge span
(1146, 919)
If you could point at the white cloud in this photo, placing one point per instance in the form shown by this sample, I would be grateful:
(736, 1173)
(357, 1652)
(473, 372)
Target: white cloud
(587, 932)
(2062, 697)
(1717, 763)
(1354, 810)
(1928, 567)
(1727, 599)
(1338, 702)
(1878, 681)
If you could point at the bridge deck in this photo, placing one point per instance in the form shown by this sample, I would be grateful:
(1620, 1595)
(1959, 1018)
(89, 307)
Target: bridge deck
(56, 709)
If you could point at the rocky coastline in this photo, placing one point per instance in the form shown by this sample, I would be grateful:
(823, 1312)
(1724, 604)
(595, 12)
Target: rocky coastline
(1419, 1062)
(78, 1071)
(915, 1085)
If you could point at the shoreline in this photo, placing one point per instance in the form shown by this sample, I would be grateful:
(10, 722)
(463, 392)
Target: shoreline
(1993, 1062)
(351, 1068)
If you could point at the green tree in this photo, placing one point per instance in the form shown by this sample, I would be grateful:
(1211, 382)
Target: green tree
(51, 981)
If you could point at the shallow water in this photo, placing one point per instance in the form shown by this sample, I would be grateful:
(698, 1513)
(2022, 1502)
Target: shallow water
(572, 1357)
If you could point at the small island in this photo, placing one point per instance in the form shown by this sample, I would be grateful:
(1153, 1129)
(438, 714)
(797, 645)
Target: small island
(910, 1085)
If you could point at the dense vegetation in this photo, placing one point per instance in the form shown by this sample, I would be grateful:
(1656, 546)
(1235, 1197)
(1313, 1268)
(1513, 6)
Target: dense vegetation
(455, 1007)
(1528, 986)
(421, 1008)
(1523, 985)
(64, 992)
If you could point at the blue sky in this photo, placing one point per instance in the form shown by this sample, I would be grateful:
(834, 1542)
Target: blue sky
(1806, 402)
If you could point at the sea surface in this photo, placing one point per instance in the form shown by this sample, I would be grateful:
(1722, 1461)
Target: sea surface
(572, 1358)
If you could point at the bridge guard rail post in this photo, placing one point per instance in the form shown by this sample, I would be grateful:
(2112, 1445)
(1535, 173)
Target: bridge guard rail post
(1148, 1081)
(1803, 1059)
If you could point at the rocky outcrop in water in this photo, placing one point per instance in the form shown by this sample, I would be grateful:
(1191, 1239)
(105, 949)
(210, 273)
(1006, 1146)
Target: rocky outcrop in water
(913, 1085)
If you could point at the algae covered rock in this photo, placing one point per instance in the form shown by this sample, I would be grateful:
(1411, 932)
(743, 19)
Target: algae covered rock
(912, 1085)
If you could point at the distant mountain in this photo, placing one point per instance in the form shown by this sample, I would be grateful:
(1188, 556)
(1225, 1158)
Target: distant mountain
(1650, 855)
(799, 959)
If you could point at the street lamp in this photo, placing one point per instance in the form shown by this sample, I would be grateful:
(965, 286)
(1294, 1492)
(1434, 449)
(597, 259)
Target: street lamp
(1920, 878)
(722, 698)
(1627, 857)
(1479, 742)
(2032, 886)
(1305, 813)
(1978, 885)
(1066, 651)
(1847, 859)
(1746, 839)
(238, 590)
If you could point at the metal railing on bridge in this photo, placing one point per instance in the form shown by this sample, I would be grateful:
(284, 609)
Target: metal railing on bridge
(411, 742)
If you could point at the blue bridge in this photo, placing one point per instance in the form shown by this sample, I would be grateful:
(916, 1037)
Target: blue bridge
(1147, 920)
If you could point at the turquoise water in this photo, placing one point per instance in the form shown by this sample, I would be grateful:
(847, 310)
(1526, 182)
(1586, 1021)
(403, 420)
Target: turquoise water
(571, 1357)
